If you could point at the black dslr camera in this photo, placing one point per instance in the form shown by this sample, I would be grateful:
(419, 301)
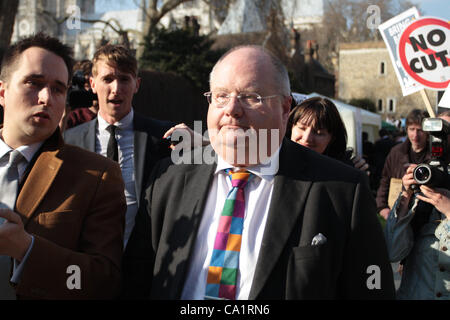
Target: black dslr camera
(78, 96)
(435, 173)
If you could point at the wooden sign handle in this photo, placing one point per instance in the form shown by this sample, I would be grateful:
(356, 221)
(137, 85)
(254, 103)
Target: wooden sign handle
(427, 103)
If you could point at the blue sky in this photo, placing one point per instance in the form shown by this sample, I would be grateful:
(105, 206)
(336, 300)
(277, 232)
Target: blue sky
(111, 5)
(437, 8)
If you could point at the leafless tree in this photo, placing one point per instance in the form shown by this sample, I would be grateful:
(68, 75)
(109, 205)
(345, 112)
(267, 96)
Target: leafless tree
(154, 12)
(111, 23)
(346, 21)
(8, 10)
(277, 34)
(219, 8)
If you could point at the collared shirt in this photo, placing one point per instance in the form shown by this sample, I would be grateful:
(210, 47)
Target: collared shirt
(28, 153)
(426, 271)
(258, 194)
(125, 142)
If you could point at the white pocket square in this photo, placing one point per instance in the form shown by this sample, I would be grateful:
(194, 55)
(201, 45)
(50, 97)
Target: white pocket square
(318, 239)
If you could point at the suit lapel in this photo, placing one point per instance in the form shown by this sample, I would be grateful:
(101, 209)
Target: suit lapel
(37, 183)
(196, 186)
(286, 209)
(90, 135)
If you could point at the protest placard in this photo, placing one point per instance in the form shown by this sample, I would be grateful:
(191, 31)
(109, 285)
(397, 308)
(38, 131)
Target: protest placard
(391, 31)
(424, 49)
(445, 100)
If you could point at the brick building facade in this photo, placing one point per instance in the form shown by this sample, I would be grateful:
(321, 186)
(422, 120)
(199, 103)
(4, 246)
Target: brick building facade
(366, 71)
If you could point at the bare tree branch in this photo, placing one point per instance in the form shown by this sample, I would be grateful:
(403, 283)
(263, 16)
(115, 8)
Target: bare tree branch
(154, 15)
(108, 23)
(170, 5)
(8, 11)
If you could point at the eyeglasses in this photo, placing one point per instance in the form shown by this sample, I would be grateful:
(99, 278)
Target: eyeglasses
(247, 99)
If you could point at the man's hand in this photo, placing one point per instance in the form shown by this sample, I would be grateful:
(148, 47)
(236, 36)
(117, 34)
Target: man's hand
(438, 197)
(360, 163)
(408, 179)
(194, 137)
(14, 240)
(385, 213)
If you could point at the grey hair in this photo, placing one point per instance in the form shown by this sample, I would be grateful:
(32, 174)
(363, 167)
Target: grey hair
(281, 74)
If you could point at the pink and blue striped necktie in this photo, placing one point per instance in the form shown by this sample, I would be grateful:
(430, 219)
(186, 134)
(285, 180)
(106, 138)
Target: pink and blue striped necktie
(224, 265)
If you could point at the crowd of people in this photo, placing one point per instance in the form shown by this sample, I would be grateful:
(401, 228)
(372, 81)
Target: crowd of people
(291, 216)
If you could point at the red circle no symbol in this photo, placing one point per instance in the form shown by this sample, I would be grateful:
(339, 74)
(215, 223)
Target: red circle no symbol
(402, 48)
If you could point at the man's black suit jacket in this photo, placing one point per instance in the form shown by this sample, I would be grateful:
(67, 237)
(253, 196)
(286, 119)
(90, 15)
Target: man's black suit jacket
(149, 147)
(312, 194)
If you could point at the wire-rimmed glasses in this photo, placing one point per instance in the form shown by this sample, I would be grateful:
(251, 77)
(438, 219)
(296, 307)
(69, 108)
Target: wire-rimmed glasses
(246, 99)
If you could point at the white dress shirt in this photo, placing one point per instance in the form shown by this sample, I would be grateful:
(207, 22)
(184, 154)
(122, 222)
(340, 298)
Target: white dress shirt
(125, 143)
(28, 153)
(258, 193)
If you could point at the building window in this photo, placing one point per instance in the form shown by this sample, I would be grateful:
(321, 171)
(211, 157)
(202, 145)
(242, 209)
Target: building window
(382, 68)
(391, 105)
(380, 105)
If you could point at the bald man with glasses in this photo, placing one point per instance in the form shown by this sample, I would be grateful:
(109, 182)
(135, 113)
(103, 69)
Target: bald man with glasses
(267, 218)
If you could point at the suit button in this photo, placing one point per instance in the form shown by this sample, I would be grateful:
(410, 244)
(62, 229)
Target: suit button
(441, 269)
(438, 294)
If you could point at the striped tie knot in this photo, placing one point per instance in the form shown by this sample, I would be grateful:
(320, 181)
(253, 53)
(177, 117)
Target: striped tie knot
(239, 178)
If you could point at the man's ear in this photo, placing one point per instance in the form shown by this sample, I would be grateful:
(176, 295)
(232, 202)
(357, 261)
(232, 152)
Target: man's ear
(286, 105)
(92, 82)
(138, 84)
(3, 85)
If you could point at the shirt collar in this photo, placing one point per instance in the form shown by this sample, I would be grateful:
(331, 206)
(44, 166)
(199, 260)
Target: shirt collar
(126, 123)
(264, 171)
(27, 151)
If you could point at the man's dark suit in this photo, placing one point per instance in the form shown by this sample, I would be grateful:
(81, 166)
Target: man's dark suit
(149, 147)
(312, 194)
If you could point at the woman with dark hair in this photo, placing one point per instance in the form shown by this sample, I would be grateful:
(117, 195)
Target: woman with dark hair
(316, 124)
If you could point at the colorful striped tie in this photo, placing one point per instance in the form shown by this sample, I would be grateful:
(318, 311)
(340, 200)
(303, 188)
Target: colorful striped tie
(223, 269)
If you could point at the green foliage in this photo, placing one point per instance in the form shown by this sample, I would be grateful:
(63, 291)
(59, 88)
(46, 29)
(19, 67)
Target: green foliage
(364, 103)
(181, 51)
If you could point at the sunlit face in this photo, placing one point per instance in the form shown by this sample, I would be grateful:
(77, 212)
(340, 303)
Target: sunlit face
(33, 97)
(115, 90)
(245, 70)
(310, 137)
(417, 137)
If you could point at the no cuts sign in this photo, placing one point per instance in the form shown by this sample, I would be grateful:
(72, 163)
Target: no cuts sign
(424, 51)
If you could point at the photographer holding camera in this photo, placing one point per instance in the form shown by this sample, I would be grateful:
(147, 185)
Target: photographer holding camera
(418, 226)
(82, 101)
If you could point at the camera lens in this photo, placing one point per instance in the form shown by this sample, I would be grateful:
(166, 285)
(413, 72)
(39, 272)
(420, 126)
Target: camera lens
(422, 174)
